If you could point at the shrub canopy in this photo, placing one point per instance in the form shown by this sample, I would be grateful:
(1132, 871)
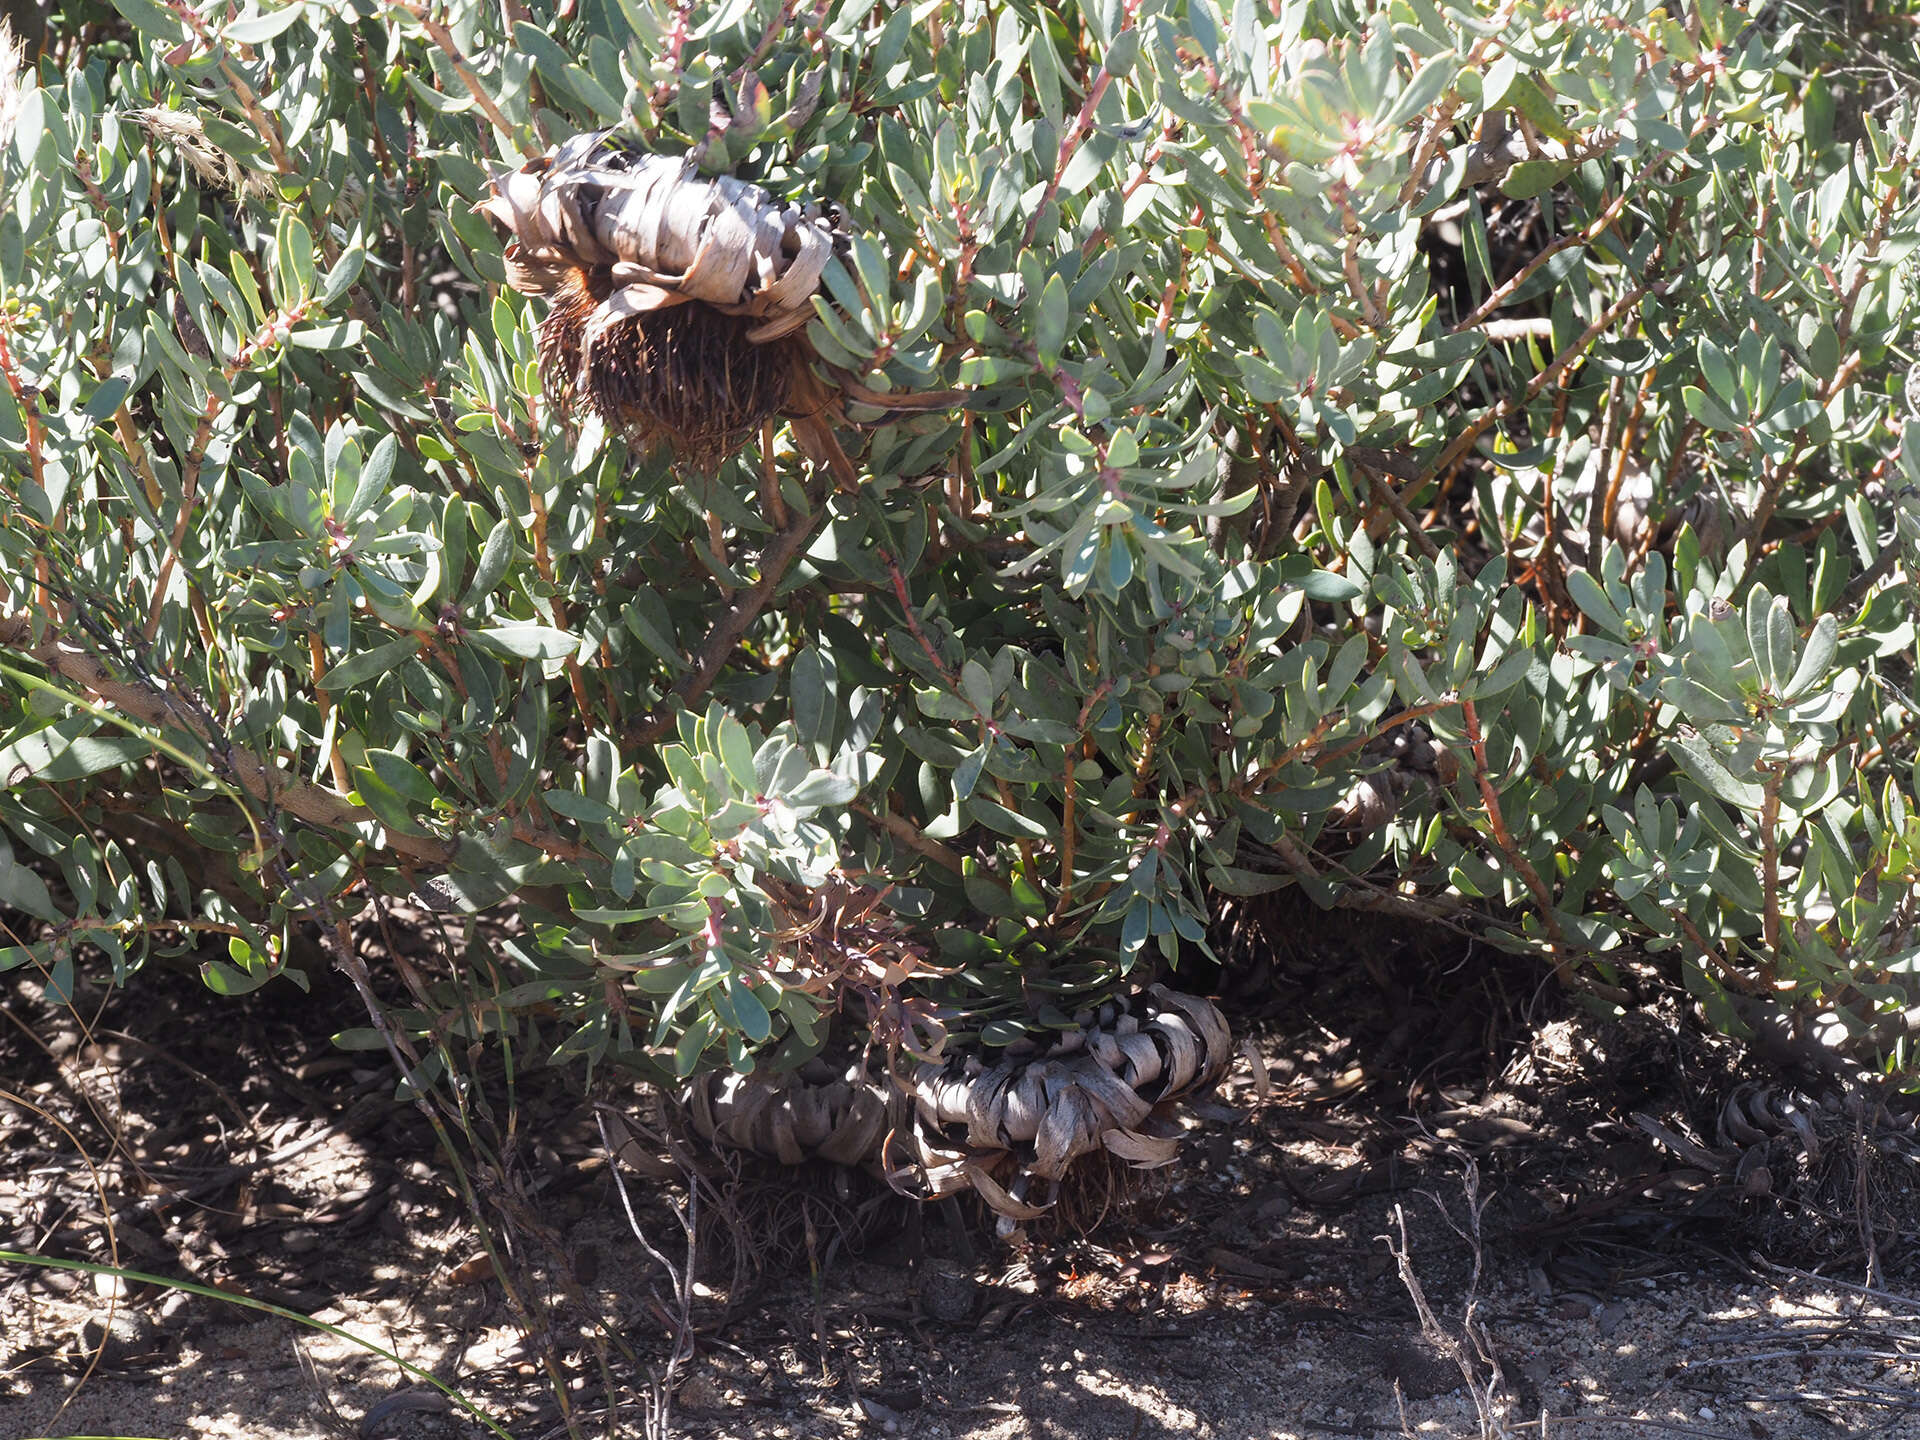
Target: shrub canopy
(1447, 455)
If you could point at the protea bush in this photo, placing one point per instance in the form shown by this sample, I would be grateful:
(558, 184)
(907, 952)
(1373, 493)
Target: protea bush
(844, 542)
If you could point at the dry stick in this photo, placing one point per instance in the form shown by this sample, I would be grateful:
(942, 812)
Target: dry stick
(1869, 1241)
(680, 1278)
(1870, 1292)
(311, 803)
(1455, 1349)
(775, 561)
(338, 938)
(112, 1233)
(913, 627)
(1346, 747)
(1809, 1352)
(1671, 1425)
(1350, 267)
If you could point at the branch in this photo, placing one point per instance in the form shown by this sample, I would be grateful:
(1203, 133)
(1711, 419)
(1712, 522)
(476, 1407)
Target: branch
(1783, 470)
(910, 835)
(775, 561)
(327, 809)
(1513, 405)
(1503, 841)
(1081, 127)
(443, 38)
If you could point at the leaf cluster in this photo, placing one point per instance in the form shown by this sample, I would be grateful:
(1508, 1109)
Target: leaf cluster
(1531, 380)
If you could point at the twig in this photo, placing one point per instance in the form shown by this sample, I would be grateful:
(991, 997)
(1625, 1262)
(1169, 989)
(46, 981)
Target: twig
(1082, 124)
(1884, 1296)
(1069, 802)
(1785, 469)
(1601, 223)
(1770, 866)
(1512, 405)
(271, 335)
(317, 663)
(1673, 1425)
(901, 594)
(1388, 496)
(775, 561)
(243, 92)
(1455, 1347)
(162, 710)
(1810, 1352)
(910, 835)
(659, 1418)
(443, 37)
(1503, 839)
(1252, 148)
(1869, 1242)
(28, 399)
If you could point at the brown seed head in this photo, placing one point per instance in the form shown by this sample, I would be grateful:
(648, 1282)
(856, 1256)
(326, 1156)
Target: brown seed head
(677, 302)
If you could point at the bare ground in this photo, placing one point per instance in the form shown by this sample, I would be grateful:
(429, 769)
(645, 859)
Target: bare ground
(1623, 1288)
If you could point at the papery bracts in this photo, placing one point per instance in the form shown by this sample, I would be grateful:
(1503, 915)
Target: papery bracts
(1008, 1126)
(678, 301)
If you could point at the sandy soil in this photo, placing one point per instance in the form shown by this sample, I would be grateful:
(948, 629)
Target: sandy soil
(1620, 1292)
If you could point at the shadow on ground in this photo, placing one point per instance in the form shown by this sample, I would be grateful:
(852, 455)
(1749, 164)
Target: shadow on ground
(1642, 1266)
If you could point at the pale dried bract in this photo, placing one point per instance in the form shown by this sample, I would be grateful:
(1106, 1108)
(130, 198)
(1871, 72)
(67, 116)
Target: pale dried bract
(678, 301)
(12, 54)
(1105, 1088)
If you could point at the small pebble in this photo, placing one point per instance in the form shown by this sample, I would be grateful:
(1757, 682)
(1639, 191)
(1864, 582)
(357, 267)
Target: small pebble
(1303, 1365)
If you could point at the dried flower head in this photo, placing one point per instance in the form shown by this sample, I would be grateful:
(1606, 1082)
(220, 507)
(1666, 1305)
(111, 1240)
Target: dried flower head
(212, 166)
(678, 301)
